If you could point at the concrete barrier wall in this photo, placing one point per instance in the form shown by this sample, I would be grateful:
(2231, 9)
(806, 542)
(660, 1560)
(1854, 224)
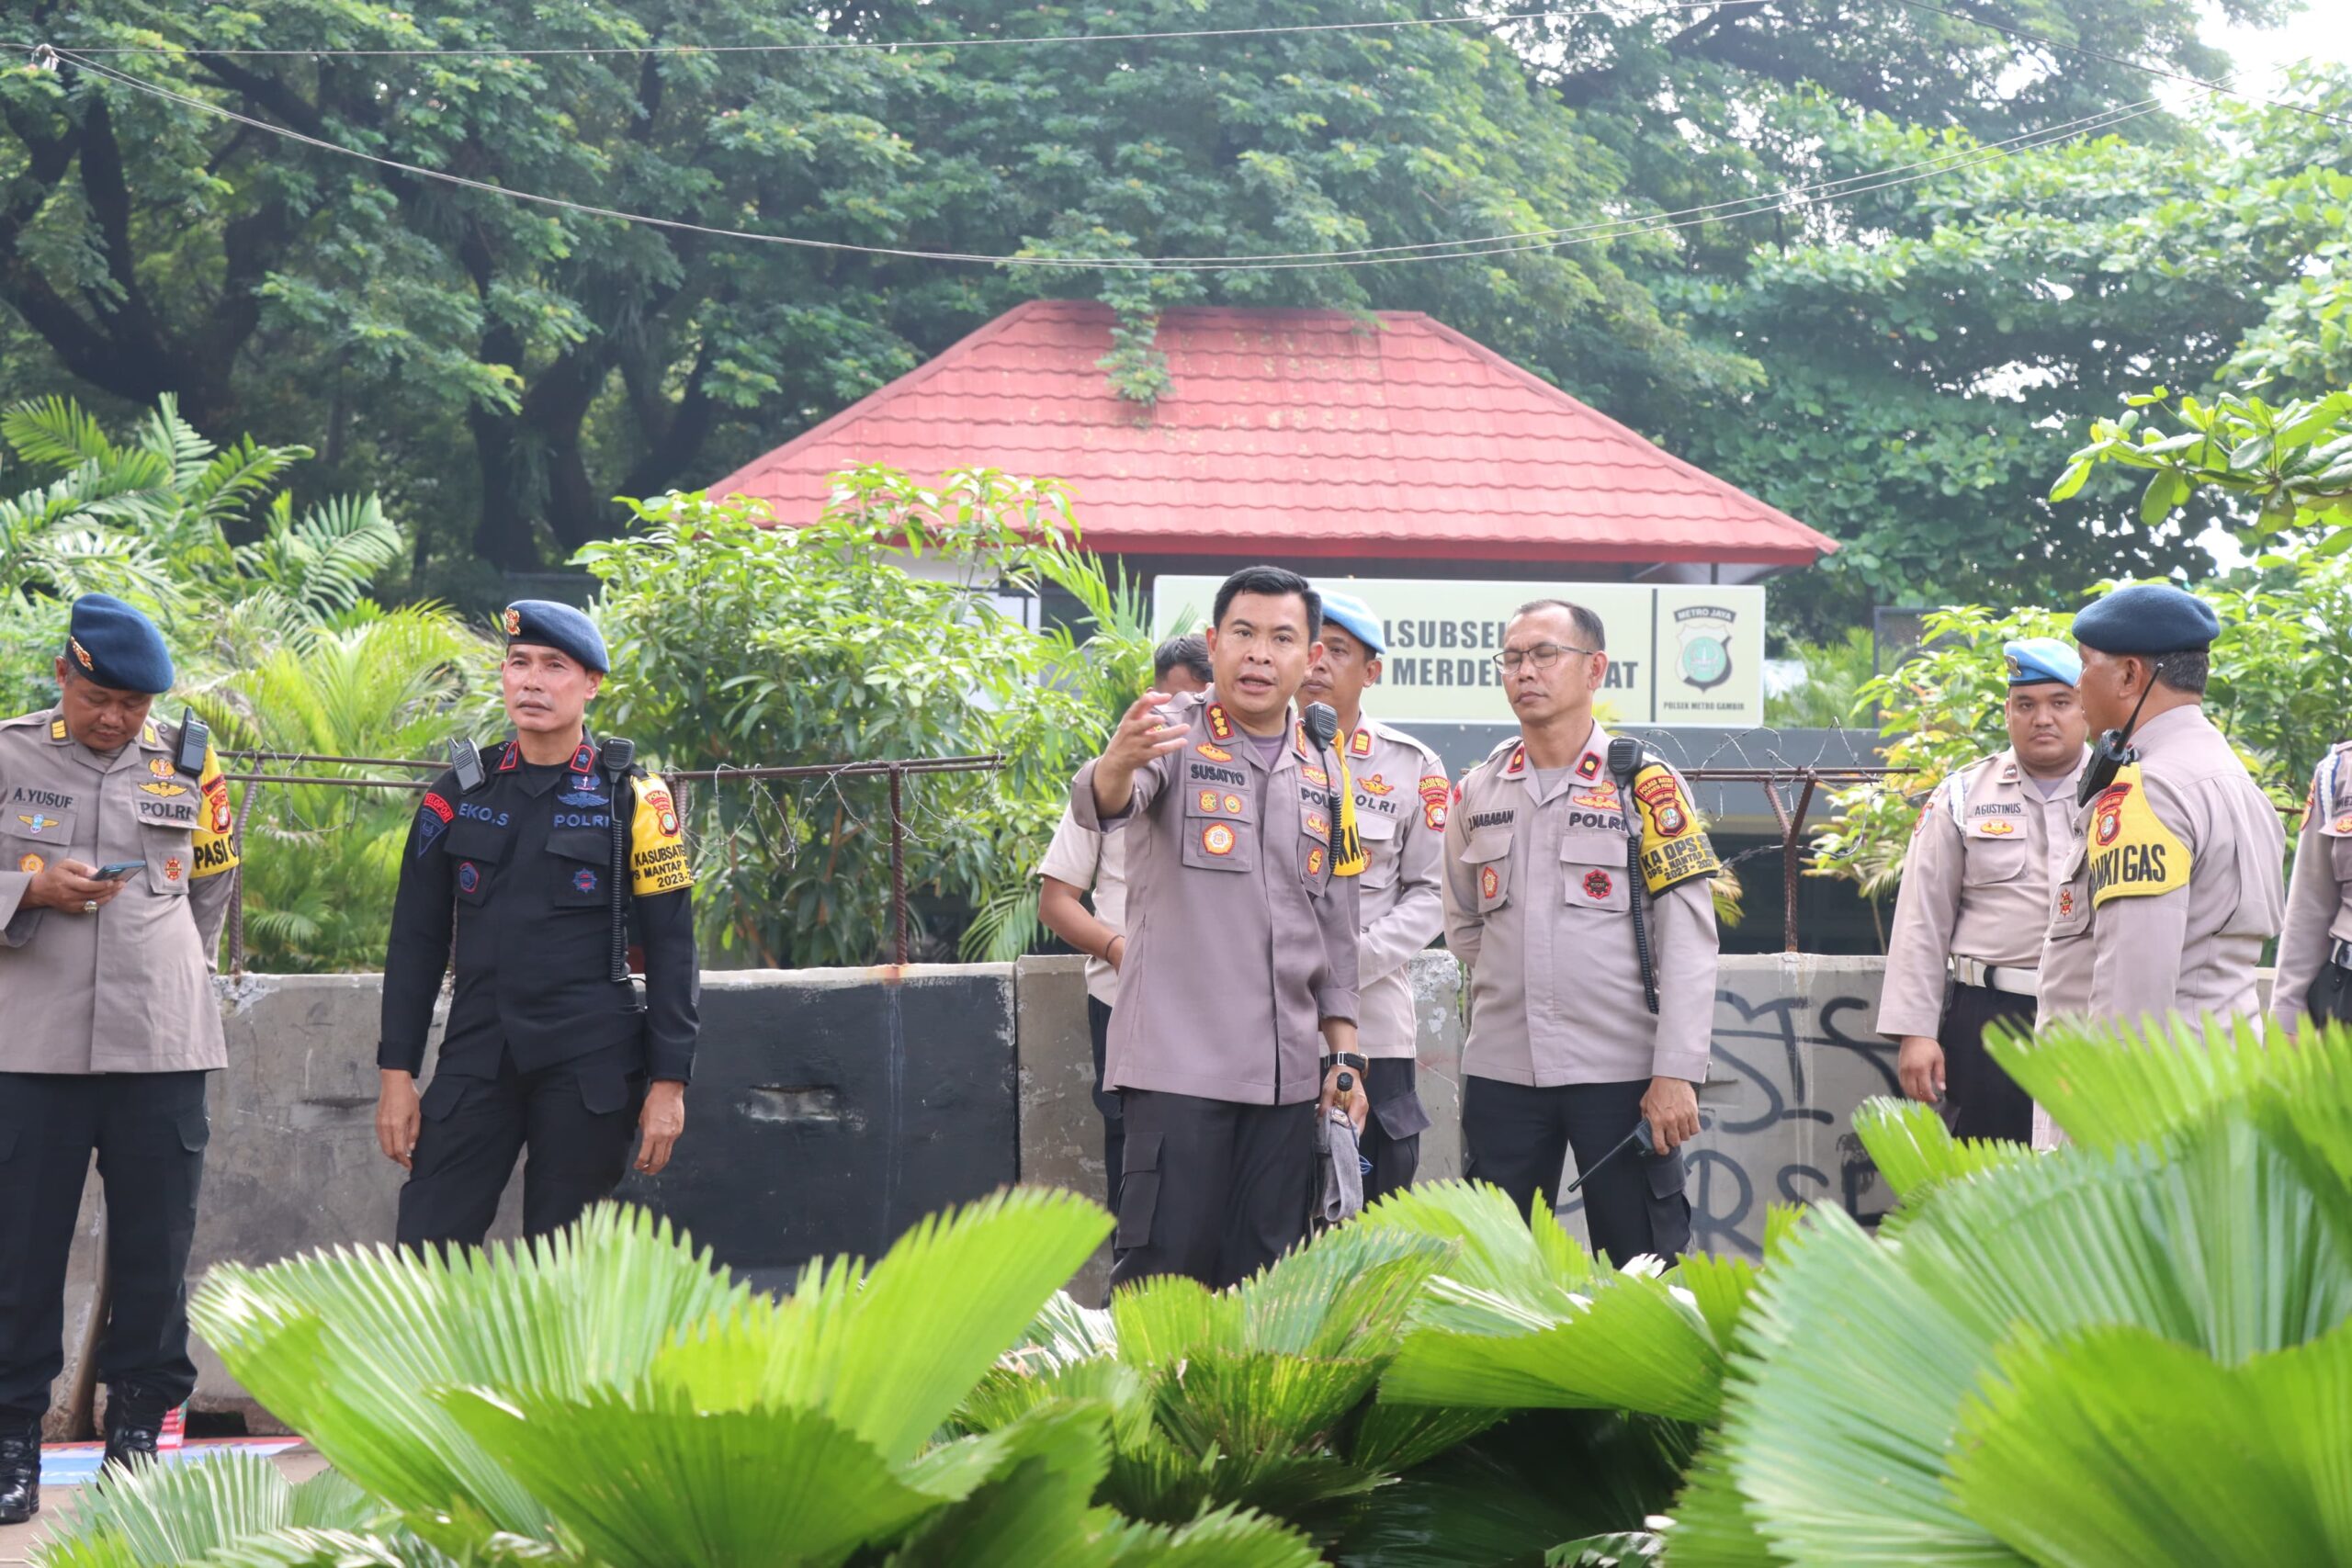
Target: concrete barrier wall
(1793, 1057)
(832, 1108)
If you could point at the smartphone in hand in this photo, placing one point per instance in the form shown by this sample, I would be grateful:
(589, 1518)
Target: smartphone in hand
(118, 870)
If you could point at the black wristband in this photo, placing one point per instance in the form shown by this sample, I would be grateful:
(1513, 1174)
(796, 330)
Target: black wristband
(1346, 1059)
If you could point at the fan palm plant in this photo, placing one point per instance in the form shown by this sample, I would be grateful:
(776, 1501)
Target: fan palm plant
(2135, 1349)
(606, 1397)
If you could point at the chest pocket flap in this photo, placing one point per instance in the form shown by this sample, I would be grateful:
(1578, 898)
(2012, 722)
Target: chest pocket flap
(477, 844)
(1219, 829)
(1592, 872)
(1993, 851)
(1487, 854)
(33, 831)
(581, 862)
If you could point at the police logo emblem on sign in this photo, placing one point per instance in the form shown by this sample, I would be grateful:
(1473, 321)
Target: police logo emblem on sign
(1217, 839)
(31, 865)
(1490, 881)
(172, 868)
(1598, 884)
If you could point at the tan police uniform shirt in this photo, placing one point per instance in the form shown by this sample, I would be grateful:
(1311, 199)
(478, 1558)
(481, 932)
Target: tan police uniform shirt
(1539, 908)
(127, 989)
(2176, 884)
(2319, 899)
(1985, 853)
(1401, 791)
(1096, 865)
(1240, 939)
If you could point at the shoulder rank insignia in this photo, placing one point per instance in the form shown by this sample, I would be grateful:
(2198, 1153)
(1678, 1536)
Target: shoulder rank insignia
(2133, 854)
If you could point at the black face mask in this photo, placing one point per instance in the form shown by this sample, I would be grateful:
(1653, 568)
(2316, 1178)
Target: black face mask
(2114, 749)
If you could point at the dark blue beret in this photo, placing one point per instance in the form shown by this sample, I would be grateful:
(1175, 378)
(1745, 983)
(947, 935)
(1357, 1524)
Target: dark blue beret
(118, 647)
(559, 626)
(2148, 618)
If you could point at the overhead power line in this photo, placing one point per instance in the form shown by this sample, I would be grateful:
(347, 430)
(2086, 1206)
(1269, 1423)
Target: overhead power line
(1496, 245)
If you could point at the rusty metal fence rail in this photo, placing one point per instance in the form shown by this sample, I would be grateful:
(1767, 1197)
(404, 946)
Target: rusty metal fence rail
(253, 767)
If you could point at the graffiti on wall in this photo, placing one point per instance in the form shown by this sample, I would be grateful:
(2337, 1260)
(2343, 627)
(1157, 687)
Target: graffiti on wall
(1800, 1060)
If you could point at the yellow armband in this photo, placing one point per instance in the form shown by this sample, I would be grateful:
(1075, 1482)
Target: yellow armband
(657, 845)
(215, 843)
(2133, 854)
(1674, 847)
(1348, 854)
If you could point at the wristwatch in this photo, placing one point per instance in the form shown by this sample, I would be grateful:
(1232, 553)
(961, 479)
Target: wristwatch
(1346, 1059)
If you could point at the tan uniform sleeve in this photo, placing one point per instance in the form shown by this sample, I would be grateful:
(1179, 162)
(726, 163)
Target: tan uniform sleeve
(1927, 907)
(2312, 899)
(1339, 908)
(1074, 854)
(1683, 942)
(1151, 780)
(1418, 914)
(1463, 925)
(18, 923)
(2139, 941)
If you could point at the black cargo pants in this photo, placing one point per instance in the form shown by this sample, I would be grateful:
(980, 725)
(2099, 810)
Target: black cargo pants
(1519, 1138)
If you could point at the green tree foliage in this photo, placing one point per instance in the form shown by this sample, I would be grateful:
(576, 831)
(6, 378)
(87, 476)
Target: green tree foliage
(560, 358)
(871, 634)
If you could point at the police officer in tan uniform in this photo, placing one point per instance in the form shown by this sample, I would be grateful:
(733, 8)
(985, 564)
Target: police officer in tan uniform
(1240, 974)
(2315, 978)
(1401, 791)
(2177, 881)
(1080, 863)
(1966, 945)
(117, 830)
(1572, 1040)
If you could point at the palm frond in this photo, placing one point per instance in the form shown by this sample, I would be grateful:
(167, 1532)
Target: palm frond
(55, 431)
(2108, 1087)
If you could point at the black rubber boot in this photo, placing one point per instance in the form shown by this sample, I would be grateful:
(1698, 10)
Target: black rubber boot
(131, 1434)
(19, 1472)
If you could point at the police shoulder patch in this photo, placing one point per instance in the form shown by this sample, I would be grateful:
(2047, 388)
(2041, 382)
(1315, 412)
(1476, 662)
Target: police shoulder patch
(657, 841)
(2132, 853)
(1674, 846)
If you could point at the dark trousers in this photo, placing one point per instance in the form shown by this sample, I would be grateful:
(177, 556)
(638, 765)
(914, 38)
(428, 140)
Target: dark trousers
(1106, 1100)
(577, 1119)
(149, 1131)
(1518, 1138)
(1210, 1189)
(2330, 997)
(1392, 1136)
(1980, 1099)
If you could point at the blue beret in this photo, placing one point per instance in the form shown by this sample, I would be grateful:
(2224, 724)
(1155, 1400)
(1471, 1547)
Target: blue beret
(2147, 618)
(116, 646)
(548, 625)
(2035, 660)
(1355, 618)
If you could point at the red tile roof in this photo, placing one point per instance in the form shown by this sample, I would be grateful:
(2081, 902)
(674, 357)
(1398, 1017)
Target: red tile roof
(1298, 433)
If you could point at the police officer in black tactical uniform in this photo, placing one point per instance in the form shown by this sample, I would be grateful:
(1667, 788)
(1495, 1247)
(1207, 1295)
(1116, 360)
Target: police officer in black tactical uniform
(546, 857)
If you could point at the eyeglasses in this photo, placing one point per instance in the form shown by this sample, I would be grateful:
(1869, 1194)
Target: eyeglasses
(1543, 655)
